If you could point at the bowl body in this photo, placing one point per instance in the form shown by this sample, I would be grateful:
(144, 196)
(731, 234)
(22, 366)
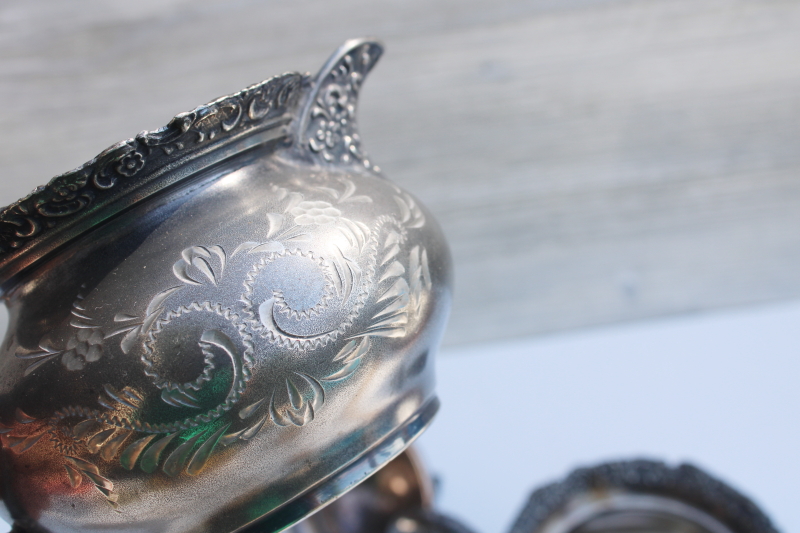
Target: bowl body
(244, 337)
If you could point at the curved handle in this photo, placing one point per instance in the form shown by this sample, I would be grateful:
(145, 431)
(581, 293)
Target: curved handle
(327, 130)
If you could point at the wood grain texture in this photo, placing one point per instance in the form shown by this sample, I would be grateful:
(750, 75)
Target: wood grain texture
(590, 161)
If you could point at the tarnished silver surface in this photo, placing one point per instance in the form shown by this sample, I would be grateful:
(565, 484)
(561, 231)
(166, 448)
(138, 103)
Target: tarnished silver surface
(229, 319)
(640, 497)
(402, 486)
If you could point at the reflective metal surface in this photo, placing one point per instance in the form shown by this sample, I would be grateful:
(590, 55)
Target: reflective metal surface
(228, 320)
(640, 497)
(635, 513)
(400, 487)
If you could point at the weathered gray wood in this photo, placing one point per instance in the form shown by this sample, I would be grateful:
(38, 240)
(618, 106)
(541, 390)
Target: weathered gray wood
(590, 161)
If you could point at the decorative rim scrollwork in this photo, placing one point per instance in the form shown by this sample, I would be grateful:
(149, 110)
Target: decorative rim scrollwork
(325, 130)
(229, 311)
(128, 165)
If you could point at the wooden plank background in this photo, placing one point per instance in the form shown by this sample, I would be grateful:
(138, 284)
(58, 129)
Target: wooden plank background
(590, 161)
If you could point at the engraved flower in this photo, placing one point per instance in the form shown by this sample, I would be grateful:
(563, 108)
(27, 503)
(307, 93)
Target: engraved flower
(86, 346)
(130, 164)
(335, 113)
(69, 196)
(315, 212)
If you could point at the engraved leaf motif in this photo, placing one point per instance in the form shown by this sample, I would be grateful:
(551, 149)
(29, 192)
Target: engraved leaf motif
(275, 221)
(248, 411)
(99, 481)
(149, 319)
(353, 350)
(393, 308)
(296, 402)
(390, 253)
(83, 465)
(392, 238)
(129, 339)
(420, 276)
(359, 199)
(396, 269)
(133, 451)
(253, 430)
(158, 299)
(112, 445)
(230, 438)
(40, 362)
(350, 356)
(348, 274)
(74, 475)
(21, 444)
(46, 354)
(254, 247)
(22, 417)
(82, 429)
(272, 246)
(405, 211)
(202, 265)
(179, 397)
(396, 291)
(97, 441)
(123, 329)
(410, 213)
(245, 246)
(356, 233)
(77, 468)
(127, 397)
(220, 253)
(330, 191)
(345, 372)
(391, 319)
(152, 456)
(294, 199)
(294, 234)
(349, 189)
(347, 195)
(201, 456)
(279, 192)
(35, 355)
(195, 260)
(177, 459)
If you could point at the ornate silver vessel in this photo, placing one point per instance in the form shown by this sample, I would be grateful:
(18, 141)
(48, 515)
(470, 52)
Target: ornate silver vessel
(640, 496)
(228, 320)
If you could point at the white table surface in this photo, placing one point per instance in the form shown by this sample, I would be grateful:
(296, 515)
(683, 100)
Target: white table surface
(718, 389)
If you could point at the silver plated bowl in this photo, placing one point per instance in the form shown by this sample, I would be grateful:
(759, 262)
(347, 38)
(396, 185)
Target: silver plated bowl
(226, 321)
(640, 496)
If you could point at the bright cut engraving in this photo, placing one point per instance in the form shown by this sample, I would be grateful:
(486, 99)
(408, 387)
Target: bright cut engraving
(267, 312)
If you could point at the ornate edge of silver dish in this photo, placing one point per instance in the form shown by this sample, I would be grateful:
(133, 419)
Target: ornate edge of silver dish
(234, 316)
(640, 495)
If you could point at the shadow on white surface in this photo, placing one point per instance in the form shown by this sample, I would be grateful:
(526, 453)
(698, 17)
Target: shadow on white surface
(719, 390)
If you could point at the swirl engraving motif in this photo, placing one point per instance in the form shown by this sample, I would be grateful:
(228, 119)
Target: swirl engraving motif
(201, 355)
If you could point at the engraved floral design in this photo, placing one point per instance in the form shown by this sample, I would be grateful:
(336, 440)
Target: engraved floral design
(222, 339)
(86, 346)
(201, 344)
(336, 112)
(315, 212)
(131, 164)
(332, 132)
